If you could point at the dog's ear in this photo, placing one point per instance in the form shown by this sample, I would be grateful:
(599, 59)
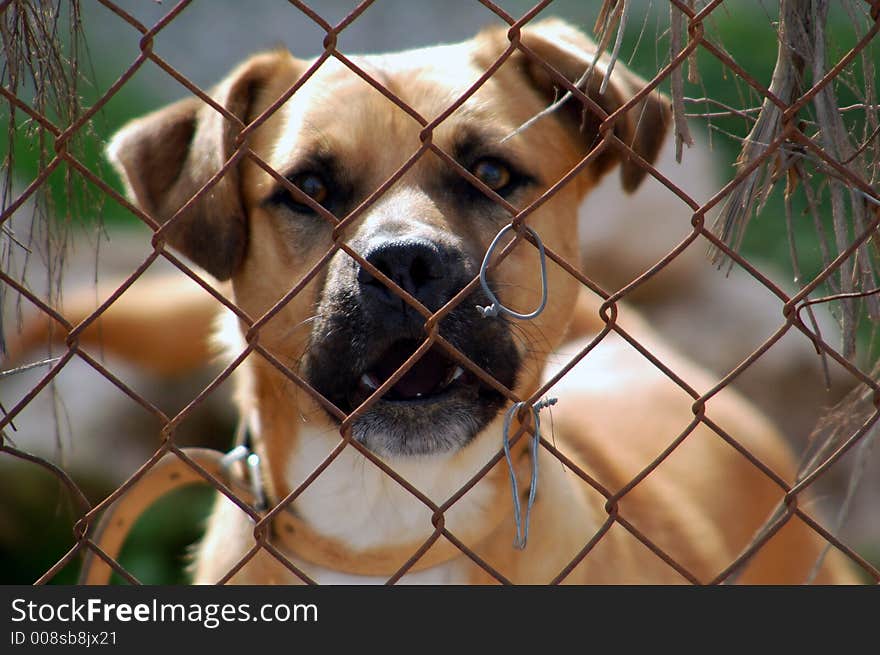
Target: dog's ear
(165, 157)
(571, 52)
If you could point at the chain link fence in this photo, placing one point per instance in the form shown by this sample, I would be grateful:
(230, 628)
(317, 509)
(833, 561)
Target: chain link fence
(801, 139)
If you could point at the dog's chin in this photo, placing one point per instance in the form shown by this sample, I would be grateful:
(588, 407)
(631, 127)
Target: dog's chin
(436, 407)
(424, 427)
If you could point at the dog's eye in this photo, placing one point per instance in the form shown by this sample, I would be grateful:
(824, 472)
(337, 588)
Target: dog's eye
(492, 173)
(312, 185)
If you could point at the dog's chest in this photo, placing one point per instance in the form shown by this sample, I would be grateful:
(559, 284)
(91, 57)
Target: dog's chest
(442, 574)
(355, 502)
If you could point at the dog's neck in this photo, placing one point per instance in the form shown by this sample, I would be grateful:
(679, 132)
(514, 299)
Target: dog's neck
(366, 520)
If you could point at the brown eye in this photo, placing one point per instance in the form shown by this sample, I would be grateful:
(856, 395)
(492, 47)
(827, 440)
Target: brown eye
(313, 186)
(492, 173)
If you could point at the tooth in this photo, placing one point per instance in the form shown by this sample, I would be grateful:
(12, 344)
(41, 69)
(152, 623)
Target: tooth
(454, 374)
(369, 381)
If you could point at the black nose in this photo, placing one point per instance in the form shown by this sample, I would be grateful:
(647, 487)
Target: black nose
(417, 266)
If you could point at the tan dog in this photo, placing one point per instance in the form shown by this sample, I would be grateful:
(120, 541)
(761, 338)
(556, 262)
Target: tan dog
(337, 139)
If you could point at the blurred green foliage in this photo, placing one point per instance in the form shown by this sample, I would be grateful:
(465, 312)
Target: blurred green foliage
(37, 514)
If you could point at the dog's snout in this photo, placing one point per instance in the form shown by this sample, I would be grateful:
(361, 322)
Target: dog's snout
(418, 266)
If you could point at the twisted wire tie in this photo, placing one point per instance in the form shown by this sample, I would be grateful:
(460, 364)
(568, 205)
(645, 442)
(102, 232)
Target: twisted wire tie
(522, 526)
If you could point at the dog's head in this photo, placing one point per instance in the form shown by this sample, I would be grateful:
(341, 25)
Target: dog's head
(336, 140)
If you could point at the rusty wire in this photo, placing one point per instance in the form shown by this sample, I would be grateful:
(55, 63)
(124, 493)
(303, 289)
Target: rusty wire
(790, 319)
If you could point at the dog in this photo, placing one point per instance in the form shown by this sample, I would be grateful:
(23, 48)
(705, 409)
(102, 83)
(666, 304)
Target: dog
(348, 329)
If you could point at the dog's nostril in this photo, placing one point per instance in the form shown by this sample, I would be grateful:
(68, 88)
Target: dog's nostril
(384, 268)
(365, 278)
(421, 272)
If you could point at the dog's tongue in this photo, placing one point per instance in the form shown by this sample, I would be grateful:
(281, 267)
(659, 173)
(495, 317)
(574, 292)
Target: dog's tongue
(426, 376)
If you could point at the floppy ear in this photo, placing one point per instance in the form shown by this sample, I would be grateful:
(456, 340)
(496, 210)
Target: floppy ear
(571, 52)
(165, 157)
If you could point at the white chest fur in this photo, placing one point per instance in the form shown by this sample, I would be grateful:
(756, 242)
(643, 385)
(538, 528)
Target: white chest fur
(442, 574)
(355, 502)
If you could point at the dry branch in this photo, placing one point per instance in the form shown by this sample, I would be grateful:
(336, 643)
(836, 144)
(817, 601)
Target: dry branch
(800, 64)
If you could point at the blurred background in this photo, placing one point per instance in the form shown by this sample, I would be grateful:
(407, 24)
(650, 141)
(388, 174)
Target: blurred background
(718, 316)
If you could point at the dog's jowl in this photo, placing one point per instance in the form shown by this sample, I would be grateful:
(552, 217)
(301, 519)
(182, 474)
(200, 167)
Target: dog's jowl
(396, 283)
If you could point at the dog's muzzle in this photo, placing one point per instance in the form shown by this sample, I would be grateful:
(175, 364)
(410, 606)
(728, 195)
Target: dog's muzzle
(366, 332)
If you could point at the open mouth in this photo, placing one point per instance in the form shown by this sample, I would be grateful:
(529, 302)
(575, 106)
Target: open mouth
(430, 378)
(437, 405)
